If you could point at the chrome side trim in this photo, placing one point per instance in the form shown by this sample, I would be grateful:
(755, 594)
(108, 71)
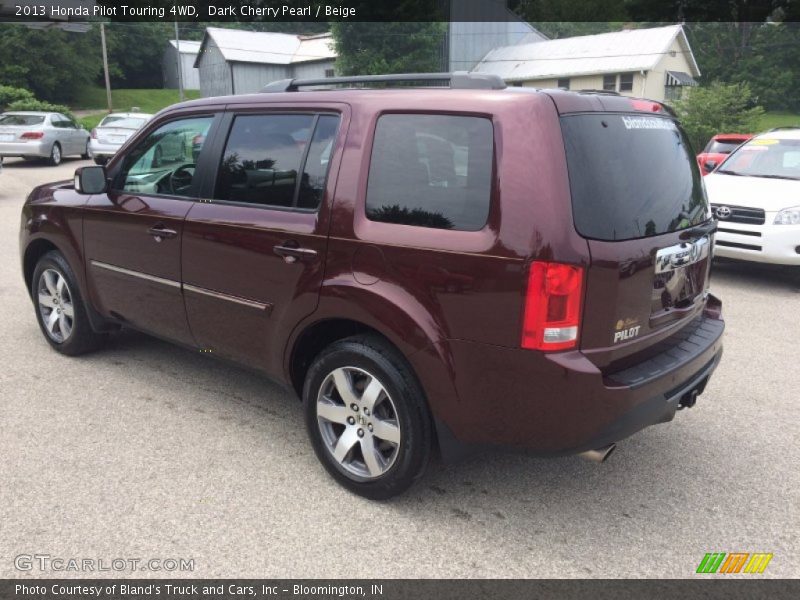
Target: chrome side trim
(229, 298)
(140, 275)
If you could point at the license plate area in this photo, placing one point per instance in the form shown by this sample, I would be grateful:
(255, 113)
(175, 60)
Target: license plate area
(6, 137)
(680, 275)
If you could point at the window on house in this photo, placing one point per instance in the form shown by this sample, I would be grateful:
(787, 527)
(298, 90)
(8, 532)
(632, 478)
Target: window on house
(563, 83)
(329, 73)
(431, 171)
(516, 83)
(626, 82)
(610, 83)
(673, 92)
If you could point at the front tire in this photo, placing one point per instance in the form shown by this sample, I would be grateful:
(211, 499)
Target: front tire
(60, 310)
(55, 155)
(367, 418)
(100, 160)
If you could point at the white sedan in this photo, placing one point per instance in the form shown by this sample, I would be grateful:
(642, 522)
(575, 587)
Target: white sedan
(755, 197)
(32, 134)
(113, 131)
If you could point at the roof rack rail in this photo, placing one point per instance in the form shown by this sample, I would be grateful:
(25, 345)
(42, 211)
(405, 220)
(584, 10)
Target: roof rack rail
(459, 80)
(604, 92)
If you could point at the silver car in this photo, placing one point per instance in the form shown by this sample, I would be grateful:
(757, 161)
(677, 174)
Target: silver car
(113, 131)
(42, 135)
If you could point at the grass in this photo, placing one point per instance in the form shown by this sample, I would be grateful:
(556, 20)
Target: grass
(148, 101)
(778, 119)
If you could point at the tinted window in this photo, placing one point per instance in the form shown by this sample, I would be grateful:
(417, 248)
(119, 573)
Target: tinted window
(431, 171)
(721, 147)
(21, 120)
(631, 176)
(262, 158)
(164, 161)
(312, 183)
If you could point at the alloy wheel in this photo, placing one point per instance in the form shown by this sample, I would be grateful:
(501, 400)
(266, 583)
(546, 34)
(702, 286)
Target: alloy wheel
(358, 422)
(55, 305)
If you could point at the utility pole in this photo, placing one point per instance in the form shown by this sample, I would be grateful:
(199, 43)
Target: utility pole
(105, 65)
(180, 61)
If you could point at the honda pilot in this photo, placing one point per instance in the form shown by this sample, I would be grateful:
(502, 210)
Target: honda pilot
(430, 262)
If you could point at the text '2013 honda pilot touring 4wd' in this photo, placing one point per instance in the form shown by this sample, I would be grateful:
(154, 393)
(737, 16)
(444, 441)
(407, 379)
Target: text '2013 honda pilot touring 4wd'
(452, 267)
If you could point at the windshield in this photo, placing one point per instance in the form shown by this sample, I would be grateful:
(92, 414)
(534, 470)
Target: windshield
(721, 147)
(123, 122)
(21, 119)
(765, 157)
(631, 176)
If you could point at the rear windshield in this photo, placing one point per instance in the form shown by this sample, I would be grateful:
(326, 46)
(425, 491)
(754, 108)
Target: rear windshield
(123, 122)
(631, 176)
(23, 120)
(721, 147)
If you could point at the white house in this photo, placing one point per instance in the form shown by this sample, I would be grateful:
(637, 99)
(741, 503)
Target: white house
(232, 61)
(654, 63)
(191, 76)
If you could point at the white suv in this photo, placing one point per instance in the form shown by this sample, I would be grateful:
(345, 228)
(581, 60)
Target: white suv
(755, 197)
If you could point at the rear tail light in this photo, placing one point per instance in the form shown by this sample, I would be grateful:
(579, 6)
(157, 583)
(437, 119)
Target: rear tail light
(32, 135)
(552, 306)
(646, 105)
(94, 133)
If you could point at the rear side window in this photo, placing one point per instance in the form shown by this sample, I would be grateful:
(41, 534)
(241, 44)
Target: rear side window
(631, 176)
(265, 153)
(431, 171)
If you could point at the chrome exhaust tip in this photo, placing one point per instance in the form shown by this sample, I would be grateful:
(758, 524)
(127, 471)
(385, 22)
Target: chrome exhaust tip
(600, 454)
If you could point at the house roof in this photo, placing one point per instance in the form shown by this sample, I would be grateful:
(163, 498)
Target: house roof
(237, 45)
(620, 51)
(187, 47)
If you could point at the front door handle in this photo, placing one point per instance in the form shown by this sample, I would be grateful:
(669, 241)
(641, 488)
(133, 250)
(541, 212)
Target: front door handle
(159, 232)
(292, 254)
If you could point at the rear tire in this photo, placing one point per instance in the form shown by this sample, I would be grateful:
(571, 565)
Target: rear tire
(87, 153)
(100, 160)
(55, 155)
(367, 417)
(59, 306)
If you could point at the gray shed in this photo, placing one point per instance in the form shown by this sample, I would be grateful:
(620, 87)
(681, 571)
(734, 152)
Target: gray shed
(191, 76)
(232, 61)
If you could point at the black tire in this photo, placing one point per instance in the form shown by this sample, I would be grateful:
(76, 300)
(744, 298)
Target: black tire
(55, 155)
(100, 160)
(410, 457)
(87, 154)
(82, 338)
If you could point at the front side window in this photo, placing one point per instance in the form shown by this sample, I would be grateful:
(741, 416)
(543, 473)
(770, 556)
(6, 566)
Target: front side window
(163, 163)
(265, 153)
(431, 171)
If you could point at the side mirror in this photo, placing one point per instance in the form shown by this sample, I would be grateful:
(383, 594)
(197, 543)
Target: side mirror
(90, 180)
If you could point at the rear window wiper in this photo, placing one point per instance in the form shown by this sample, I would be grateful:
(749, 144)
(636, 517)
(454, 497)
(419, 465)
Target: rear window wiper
(725, 172)
(699, 231)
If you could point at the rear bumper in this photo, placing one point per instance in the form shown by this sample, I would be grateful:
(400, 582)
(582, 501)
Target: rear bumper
(557, 404)
(774, 244)
(32, 148)
(103, 150)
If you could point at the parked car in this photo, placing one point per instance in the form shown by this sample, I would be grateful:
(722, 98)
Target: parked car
(755, 197)
(42, 135)
(718, 148)
(436, 267)
(113, 131)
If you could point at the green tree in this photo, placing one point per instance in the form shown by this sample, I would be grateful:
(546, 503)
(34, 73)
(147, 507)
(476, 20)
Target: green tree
(396, 47)
(717, 108)
(52, 63)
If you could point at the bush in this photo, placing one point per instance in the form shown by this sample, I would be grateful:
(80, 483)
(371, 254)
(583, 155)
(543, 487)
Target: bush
(40, 105)
(9, 95)
(717, 108)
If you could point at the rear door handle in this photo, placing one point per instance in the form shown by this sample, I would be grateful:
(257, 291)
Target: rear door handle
(159, 232)
(292, 254)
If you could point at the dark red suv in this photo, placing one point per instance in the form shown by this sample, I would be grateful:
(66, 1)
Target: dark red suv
(453, 267)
